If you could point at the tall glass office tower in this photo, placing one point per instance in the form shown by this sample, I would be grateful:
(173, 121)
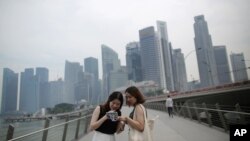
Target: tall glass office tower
(165, 56)
(222, 65)
(179, 71)
(133, 61)
(29, 91)
(72, 69)
(91, 66)
(150, 56)
(238, 67)
(42, 75)
(9, 91)
(205, 55)
(110, 62)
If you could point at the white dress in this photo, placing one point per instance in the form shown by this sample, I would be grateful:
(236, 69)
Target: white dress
(98, 136)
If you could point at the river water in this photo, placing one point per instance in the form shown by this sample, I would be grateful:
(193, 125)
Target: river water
(54, 134)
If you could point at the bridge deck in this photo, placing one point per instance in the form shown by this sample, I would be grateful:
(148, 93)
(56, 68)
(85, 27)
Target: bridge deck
(173, 129)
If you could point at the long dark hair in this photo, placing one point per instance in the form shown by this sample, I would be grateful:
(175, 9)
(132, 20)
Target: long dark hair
(134, 91)
(113, 96)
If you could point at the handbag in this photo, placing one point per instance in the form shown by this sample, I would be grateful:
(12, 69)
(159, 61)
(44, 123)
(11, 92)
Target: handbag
(147, 134)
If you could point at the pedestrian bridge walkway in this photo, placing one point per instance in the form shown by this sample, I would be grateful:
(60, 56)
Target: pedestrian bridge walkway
(173, 129)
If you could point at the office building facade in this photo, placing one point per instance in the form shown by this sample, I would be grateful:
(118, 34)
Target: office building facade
(205, 55)
(179, 71)
(133, 61)
(110, 62)
(72, 70)
(165, 56)
(9, 91)
(29, 91)
(150, 56)
(91, 66)
(222, 65)
(238, 67)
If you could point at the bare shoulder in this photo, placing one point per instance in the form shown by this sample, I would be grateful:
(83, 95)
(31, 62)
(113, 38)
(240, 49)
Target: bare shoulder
(139, 109)
(97, 110)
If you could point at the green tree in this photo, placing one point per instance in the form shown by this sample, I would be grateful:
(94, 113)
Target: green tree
(63, 107)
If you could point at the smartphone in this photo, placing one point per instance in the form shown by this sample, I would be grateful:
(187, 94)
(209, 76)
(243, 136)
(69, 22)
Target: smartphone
(112, 115)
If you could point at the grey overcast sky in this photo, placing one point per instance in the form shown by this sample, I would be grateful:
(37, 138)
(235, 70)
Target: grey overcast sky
(45, 33)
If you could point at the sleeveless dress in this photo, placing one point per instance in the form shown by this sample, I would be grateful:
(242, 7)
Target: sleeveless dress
(106, 132)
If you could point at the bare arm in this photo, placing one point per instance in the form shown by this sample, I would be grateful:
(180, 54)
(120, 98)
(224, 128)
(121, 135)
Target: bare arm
(120, 127)
(95, 123)
(138, 122)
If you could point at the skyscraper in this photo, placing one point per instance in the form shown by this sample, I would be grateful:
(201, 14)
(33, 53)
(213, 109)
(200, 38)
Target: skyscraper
(42, 75)
(91, 66)
(205, 55)
(84, 88)
(118, 78)
(56, 92)
(110, 62)
(72, 69)
(150, 56)
(165, 56)
(179, 71)
(133, 61)
(29, 91)
(238, 67)
(9, 91)
(222, 65)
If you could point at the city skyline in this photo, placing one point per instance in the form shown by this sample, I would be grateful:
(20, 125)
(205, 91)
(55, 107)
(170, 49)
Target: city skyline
(45, 34)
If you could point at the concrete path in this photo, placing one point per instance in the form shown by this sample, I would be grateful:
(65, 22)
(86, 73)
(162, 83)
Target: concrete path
(173, 129)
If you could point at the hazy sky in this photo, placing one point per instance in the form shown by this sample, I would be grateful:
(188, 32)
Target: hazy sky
(45, 33)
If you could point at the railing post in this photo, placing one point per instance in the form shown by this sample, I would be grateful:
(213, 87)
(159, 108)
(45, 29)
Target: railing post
(78, 126)
(156, 106)
(45, 132)
(10, 132)
(177, 109)
(162, 107)
(159, 106)
(86, 125)
(196, 112)
(188, 109)
(221, 117)
(207, 114)
(181, 110)
(65, 129)
(184, 111)
(242, 117)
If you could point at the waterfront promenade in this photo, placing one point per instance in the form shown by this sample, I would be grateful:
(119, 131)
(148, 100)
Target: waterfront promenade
(173, 129)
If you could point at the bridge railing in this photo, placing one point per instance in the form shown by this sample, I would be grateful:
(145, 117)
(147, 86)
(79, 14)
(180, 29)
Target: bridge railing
(70, 129)
(217, 116)
(199, 91)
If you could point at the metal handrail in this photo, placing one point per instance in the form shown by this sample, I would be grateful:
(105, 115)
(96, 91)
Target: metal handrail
(26, 135)
(47, 127)
(217, 117)
(227, 111)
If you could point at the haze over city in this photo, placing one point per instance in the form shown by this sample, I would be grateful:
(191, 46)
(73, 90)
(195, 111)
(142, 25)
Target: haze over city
(46, 33)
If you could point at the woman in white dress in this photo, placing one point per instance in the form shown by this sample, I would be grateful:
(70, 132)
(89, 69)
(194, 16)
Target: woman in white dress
(106, 126)
(137, 118)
